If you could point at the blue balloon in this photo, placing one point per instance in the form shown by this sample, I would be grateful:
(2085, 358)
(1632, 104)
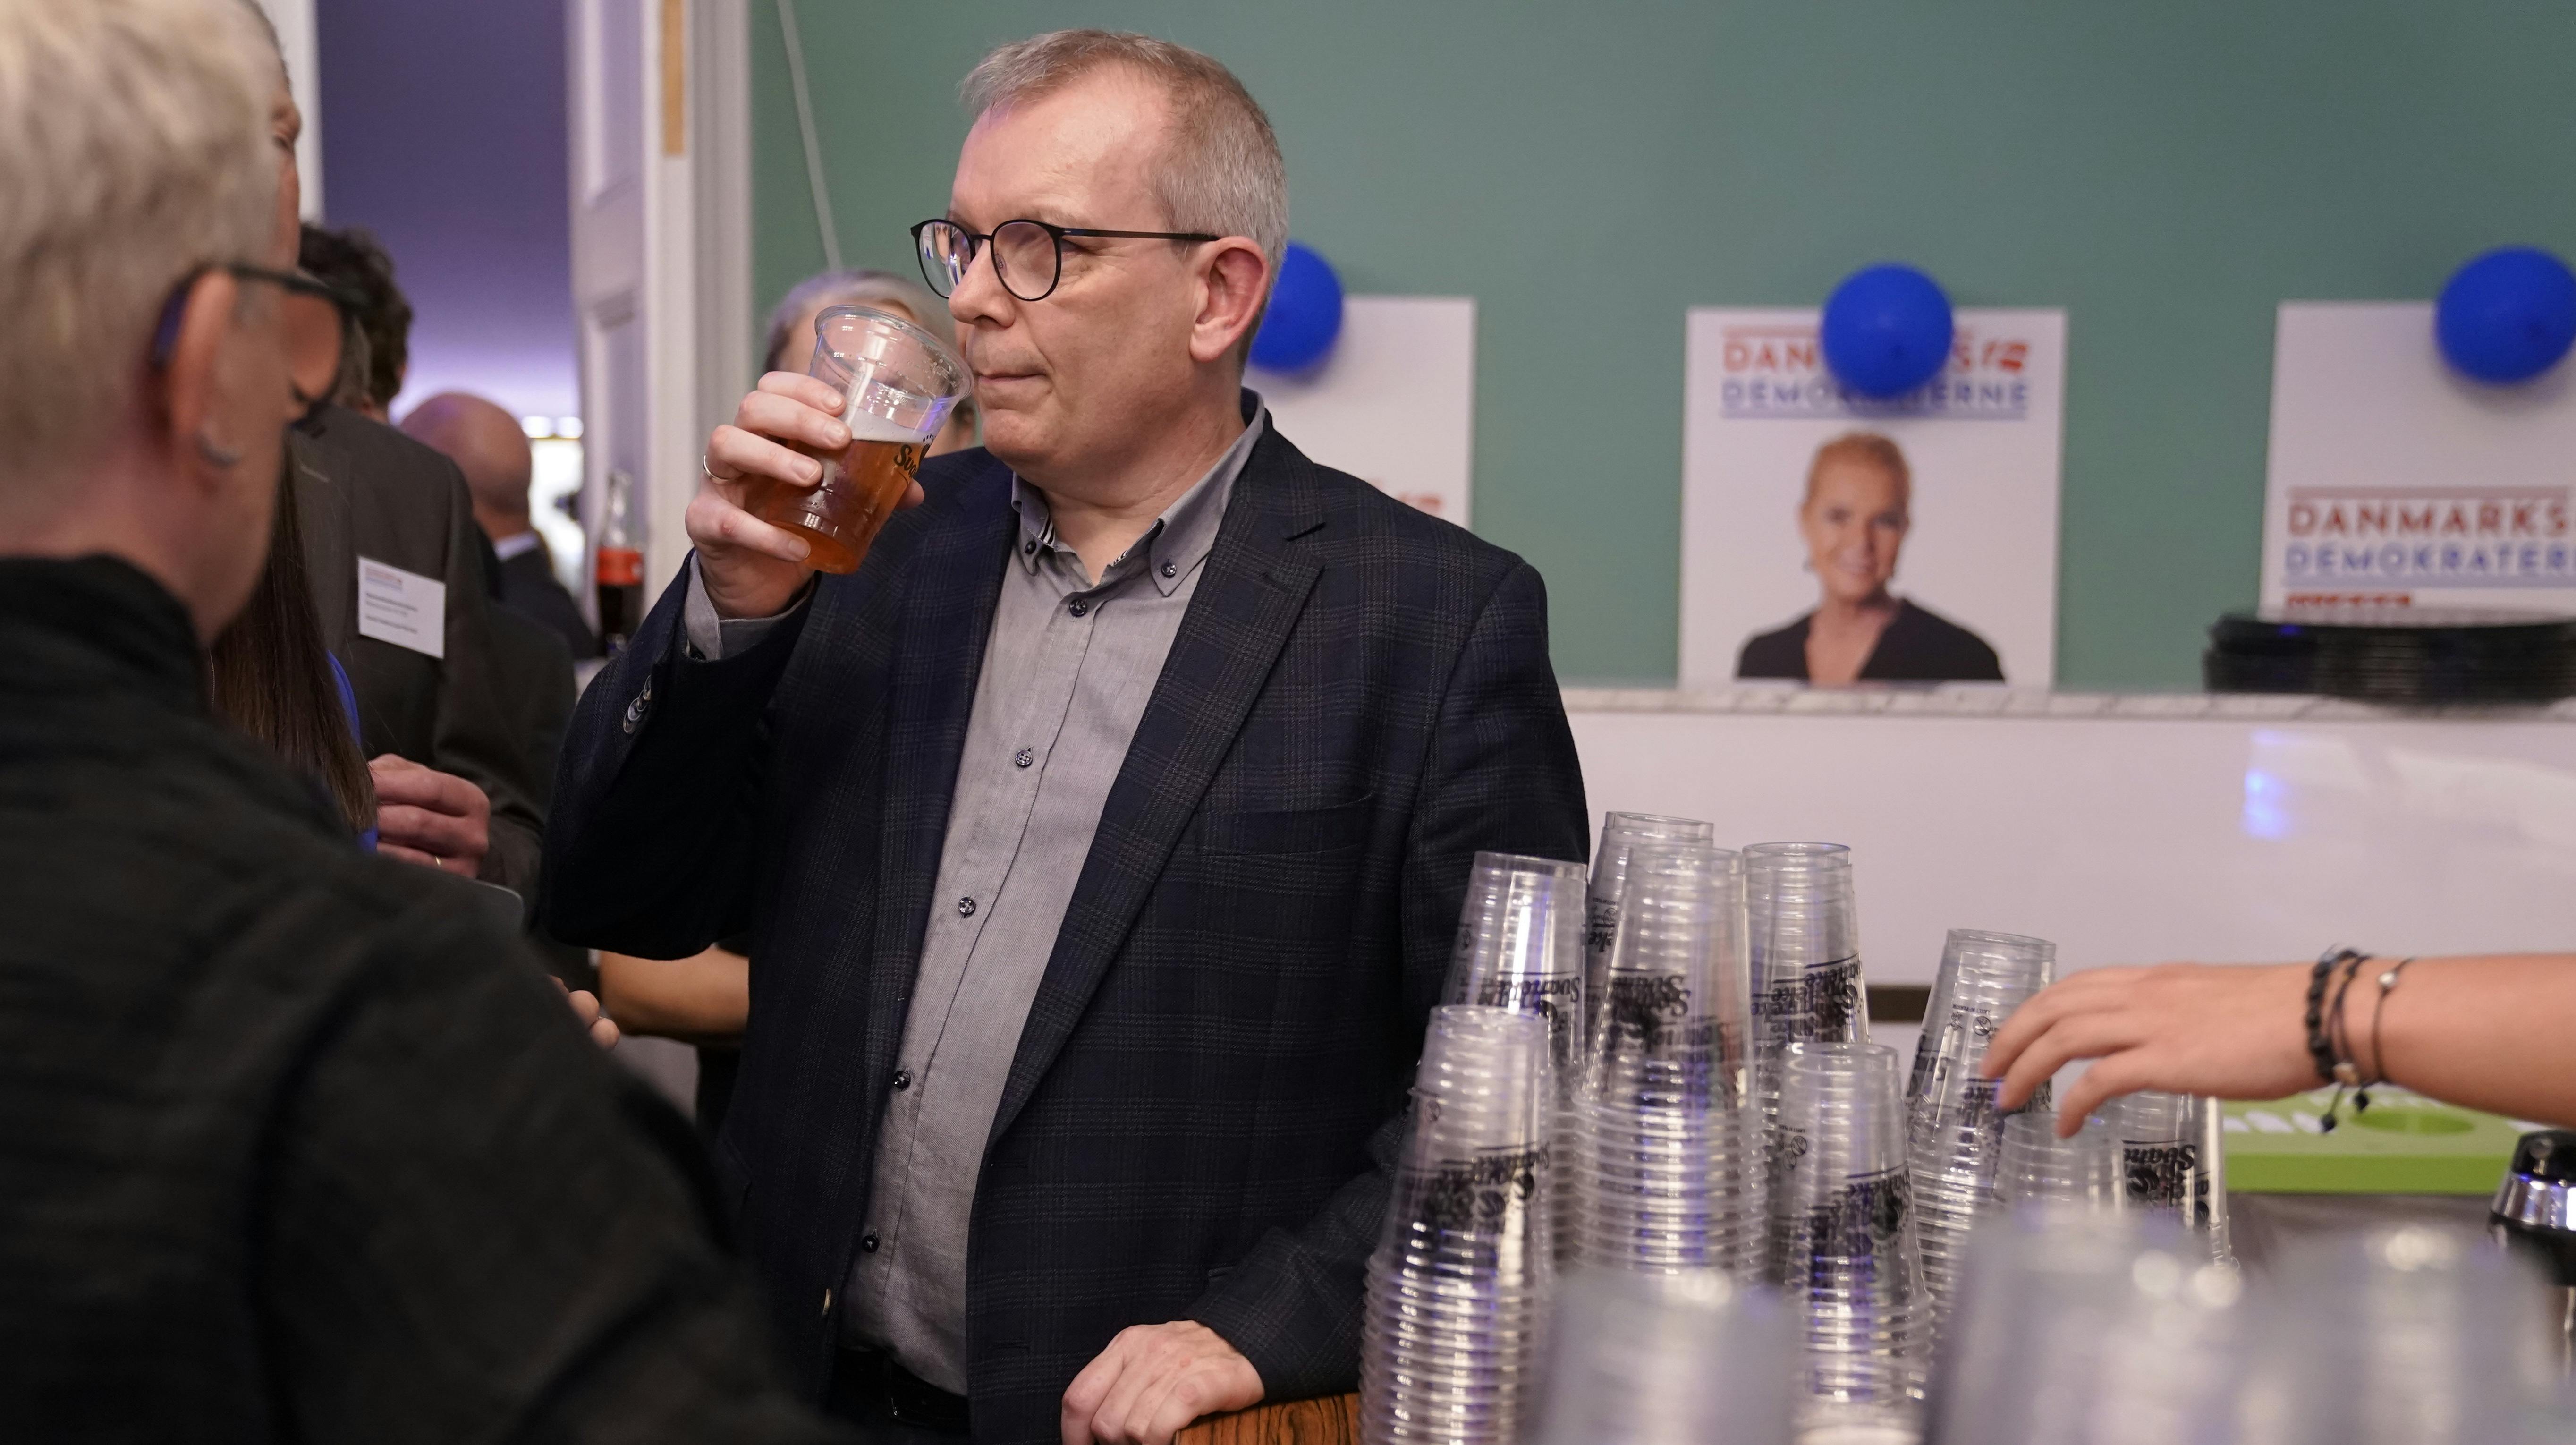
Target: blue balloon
(2508, 315)
(1305, 314)
(1887, 330)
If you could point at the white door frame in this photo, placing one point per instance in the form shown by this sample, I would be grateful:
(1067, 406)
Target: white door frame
(659, 110)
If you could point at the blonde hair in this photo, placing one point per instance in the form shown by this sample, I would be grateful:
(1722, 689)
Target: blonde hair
(1862, 446)
(1221, 173)
(139, 149)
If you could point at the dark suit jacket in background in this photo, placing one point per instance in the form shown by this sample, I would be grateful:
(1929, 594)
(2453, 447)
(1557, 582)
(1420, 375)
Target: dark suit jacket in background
(1919, 645)
(528, 586)
(293, 1144)
(1207, 1095)
(365, 489)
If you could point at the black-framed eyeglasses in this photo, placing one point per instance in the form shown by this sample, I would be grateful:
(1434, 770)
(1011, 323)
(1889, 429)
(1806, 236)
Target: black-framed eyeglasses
(1028, 256)
(315, 320)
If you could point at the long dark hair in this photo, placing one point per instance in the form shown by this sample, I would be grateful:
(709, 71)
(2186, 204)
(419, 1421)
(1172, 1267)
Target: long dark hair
(270, 677)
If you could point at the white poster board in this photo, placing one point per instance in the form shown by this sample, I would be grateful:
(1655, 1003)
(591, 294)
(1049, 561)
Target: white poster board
(2396, 482)
(1394, 403)
(1981, 441)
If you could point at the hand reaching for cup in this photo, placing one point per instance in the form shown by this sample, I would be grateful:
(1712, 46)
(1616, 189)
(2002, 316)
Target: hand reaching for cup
(749, 567)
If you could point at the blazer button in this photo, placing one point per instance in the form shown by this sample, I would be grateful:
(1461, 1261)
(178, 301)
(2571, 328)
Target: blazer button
(902, 1079)
(868, 1242)
(965, 907)
(827, 1304)
(1079, 607)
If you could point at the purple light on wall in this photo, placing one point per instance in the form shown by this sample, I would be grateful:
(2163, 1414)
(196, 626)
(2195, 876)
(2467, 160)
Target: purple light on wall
(443, 132)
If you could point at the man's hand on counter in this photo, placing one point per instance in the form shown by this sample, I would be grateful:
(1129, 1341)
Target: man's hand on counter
(1152, 1381)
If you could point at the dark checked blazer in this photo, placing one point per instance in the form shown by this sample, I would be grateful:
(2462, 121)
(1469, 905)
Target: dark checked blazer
(1205, 1101)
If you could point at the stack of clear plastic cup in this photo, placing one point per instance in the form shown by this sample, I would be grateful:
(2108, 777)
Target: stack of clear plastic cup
(1805, 943)
(2166, 1164)
(1520, 947)
(1666, 1148)
(1681, 1359)
(1458, 1289)
(2081, 1328)
(2406, 1333)
(1845, 1204)
(1619, 833)
(1954, 1125)
(2034, 1166)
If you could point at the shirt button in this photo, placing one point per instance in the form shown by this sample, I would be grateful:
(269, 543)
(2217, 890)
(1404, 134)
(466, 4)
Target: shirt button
(965, 907)
(1079, 607)
(1171, 569)
(1023, 758)
(903, 1078)
(868, 1242)
(1028, 546)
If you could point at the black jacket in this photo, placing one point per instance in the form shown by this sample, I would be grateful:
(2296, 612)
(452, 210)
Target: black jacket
(1205, 1101)
(528, 586)
(1918, 646)
(364, 489)
(293, 1146)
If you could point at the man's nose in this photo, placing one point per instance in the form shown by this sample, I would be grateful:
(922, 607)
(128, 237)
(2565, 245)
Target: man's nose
(980, 294)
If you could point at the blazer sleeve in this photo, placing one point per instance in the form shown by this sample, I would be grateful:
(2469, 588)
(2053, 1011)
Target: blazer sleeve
(1501, 776)
(657, 797)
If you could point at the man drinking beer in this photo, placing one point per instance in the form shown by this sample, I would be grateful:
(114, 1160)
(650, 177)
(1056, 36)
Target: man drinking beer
(1101, 836)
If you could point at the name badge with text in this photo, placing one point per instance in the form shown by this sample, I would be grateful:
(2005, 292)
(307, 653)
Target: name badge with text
(403, 608)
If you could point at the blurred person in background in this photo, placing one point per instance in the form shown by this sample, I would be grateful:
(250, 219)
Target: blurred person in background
(353, 262)
(1858, 506)
(455, 776)
(791, 329)
(292, 1144)
(1101, 838)
(488, 446)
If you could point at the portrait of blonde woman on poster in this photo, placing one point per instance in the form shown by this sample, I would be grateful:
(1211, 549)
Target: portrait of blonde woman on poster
(1854, 516)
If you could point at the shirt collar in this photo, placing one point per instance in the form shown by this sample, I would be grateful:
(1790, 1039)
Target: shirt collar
(1180, 538)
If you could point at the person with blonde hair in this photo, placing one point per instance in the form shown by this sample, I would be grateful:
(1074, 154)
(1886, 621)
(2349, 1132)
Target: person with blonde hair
(1858, 506)
(294, 1142)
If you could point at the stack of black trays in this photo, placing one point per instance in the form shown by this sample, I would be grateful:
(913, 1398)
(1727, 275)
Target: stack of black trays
(2396, 655)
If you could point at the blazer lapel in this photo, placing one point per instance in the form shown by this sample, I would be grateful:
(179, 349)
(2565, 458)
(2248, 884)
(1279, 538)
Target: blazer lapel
(1242, 613)
(946, 615)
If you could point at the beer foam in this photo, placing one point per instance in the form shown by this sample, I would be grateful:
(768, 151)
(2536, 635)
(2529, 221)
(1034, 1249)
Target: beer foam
(869, 427)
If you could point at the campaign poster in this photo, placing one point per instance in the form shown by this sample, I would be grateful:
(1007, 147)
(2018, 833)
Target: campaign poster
(1936, 511)
(1394, 401)
(2396, 482)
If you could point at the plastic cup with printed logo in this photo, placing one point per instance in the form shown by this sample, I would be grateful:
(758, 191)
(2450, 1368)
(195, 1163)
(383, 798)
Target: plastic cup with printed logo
(1520, 947)
(1954, 1124)
(898, 383)
(1457, 1290)
(1804, 939)
(1845, 1208)
(2167, 1164)
(1619, 833)
(1665, 1150)
(1691, 1358)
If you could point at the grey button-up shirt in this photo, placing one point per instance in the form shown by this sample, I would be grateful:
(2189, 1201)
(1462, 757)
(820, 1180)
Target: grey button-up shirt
(1067, 671)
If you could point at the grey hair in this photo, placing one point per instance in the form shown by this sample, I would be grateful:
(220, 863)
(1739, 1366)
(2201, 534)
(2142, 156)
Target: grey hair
(1221, 171)
(140, 149)
(848, 288)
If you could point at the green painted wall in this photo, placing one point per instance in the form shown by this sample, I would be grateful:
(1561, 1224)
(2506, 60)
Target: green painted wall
(2168, 172)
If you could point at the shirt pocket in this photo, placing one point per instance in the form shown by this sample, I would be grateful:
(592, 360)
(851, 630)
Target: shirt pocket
(1290, 832)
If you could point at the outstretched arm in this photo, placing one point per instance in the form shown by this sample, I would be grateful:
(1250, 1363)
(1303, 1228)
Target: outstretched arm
(2487, 1032)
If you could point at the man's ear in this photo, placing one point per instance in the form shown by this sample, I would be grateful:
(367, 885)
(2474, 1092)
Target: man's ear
(189, 390)
(1234, 281)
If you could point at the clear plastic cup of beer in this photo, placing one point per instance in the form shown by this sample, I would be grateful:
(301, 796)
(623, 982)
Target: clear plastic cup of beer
(898, 383)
